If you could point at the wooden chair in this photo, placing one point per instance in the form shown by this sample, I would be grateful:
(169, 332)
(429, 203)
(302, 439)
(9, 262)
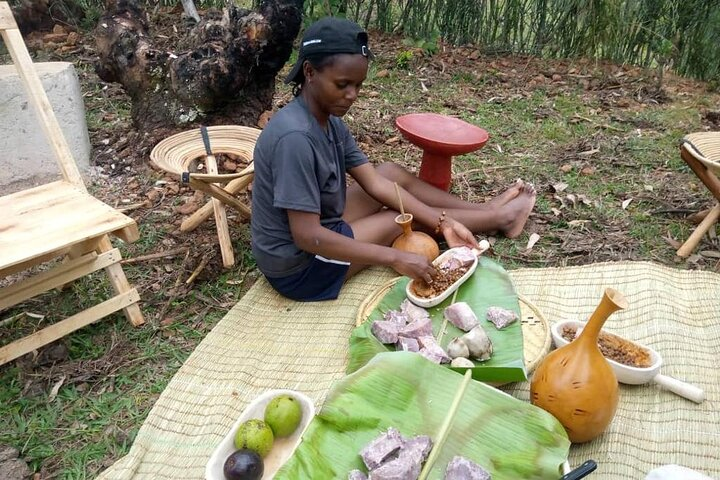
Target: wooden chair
(55, 220)
(701, 151)
(179, 156)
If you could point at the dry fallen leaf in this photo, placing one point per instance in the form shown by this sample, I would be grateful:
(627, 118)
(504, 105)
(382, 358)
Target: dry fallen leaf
(566, 168)
(587, 170)
(264, 118)
(625, 203)
(577, 223)
(187, 208)
(559, 187)
(55, 389)
(556, 212)
(534, 237)
(584, 199)
(672, 242)
(588, 153)
(694, 258)
(392, 140)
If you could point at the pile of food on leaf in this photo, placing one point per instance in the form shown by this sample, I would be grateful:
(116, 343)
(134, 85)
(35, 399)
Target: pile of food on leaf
(410, 329)
(392, 456)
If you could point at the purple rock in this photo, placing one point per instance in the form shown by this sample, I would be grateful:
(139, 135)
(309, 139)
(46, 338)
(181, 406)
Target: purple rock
(413, 311)
(417, 328)
(385, 331)
(500, 317)
(381, 448)
(357, 475)
(460, 468)
(397, 316)
(420, 445)
(407, 344)
(406, 466)
(462, 316)
(461, 257)
(430, 349)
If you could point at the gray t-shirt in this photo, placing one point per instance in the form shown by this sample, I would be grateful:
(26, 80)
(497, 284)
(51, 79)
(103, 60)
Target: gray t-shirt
(298, 166)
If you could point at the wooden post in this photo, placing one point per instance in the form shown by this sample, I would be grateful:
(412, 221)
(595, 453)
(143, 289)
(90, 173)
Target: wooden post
(220, 214)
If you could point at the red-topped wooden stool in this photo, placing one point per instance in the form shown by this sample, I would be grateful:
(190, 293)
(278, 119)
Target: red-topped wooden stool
(441, 137)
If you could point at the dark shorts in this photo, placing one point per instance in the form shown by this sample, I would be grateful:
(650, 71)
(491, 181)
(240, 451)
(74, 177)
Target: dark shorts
(320, 280)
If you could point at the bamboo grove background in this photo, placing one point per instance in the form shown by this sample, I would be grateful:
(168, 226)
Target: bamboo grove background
(681, 34)
(684, 35)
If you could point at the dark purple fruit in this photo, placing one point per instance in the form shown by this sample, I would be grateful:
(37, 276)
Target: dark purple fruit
(243, 465)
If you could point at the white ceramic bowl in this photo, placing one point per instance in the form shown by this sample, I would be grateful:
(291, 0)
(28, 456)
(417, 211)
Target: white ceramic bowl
(282, 448)
(634, 375)
(624, 373)
(432, 301)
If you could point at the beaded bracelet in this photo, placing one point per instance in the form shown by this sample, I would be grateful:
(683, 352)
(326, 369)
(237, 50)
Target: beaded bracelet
(441, 219)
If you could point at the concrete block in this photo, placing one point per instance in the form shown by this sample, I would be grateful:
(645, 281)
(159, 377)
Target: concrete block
(25, 156)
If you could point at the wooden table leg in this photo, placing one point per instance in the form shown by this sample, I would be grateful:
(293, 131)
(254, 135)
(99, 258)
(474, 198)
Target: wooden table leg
(226, 249)
(694, 238)
(712, 183)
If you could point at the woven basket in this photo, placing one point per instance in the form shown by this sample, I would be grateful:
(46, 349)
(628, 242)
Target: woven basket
(535, 328)
(705, 147)
(176, 154)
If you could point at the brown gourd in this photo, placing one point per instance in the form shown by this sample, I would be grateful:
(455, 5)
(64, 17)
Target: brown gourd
(575, 383)
(413, 241)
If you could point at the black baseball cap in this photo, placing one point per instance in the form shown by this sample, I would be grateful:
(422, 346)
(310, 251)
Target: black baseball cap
(327, 36)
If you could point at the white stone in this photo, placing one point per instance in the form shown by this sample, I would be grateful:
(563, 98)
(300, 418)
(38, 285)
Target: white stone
(25, 156)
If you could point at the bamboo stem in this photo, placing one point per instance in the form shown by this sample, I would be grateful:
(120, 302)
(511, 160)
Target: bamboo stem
(402, 209)
(444, 429)
(443, 327)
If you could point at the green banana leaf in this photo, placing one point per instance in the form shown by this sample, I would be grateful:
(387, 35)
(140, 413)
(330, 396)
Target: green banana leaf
(509, 438)
(490, 285)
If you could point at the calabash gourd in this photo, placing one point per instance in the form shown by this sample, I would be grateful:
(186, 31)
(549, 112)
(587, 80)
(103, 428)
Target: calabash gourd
(413, 241)
(575, 383)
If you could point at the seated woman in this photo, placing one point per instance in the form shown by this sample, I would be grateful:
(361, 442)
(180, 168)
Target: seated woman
(310, 231)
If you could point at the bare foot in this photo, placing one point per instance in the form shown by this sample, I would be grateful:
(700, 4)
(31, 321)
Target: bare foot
(511, 193)
(521, 206)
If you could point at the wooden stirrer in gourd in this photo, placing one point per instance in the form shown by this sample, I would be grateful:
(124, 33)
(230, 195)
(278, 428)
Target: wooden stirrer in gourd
(402, 210)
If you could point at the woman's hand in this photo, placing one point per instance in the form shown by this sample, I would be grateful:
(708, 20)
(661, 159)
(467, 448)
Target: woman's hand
(414, 266)
(457, 235)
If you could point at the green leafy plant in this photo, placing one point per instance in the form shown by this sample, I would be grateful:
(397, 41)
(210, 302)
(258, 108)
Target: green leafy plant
(429, 46)
(403, 59)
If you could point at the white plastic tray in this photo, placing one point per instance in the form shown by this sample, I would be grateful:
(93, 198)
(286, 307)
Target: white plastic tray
(432, 301)
(282, 448)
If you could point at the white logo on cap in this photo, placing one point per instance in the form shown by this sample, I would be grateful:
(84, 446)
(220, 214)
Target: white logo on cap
(310, 42)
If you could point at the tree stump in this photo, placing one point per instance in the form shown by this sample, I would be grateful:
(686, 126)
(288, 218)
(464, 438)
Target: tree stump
(221, 72)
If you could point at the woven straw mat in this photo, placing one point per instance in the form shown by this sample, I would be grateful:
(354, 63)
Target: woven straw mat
(267, 342)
